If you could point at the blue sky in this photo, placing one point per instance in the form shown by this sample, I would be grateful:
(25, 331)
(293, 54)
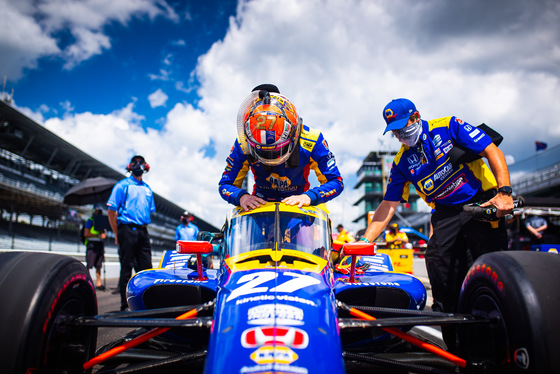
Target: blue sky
(165, 78)
(146, 56)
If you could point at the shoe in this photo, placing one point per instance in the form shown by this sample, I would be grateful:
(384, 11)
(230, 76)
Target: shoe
(125, 309)
(101, 288)
(116, 291)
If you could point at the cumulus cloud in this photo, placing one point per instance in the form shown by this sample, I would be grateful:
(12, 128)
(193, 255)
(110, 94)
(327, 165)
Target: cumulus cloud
(157, 98)
(340, 62)
(32, 30)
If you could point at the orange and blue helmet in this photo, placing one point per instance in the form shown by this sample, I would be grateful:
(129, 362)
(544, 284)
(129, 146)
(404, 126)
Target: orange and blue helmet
(268, 127)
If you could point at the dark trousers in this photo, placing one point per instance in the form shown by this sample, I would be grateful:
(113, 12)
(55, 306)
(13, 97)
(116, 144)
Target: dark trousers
(135, 252)
(457, 241)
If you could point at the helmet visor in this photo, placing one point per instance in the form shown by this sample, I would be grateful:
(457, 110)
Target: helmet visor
(271, 155)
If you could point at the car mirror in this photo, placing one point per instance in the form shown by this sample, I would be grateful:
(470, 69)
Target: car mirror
(357, 249)
(195, 247)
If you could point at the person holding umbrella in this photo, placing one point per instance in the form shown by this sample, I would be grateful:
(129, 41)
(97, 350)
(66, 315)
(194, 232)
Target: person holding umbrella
(95, 248)
(130, 205)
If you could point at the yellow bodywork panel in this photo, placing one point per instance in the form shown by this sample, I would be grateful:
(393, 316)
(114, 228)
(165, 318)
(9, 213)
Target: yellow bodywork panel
(284, 259)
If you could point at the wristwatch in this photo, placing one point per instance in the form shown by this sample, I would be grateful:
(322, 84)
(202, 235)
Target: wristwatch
(505, 189)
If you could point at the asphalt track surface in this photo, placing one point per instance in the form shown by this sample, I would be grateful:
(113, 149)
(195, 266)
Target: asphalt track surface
(109, 303)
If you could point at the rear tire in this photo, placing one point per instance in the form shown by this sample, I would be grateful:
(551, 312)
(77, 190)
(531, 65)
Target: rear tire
(520, 290)
(39, 291)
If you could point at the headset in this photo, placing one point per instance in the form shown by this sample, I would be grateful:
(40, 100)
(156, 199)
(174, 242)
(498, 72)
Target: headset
(186, 215)
(144, 165)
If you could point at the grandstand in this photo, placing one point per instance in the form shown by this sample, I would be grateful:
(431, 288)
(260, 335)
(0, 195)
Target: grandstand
(37, 168)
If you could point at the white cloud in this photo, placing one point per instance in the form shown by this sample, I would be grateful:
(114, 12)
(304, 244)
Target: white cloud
(340, 62)
(31, 29)
(157, 98)
(22, 42)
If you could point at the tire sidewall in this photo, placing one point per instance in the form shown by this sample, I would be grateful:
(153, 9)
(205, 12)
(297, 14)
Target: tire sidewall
(510, 281)
(40, 287)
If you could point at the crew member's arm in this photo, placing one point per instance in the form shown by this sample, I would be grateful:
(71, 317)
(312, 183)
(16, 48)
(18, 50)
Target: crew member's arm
(497, 162)
(381, 218)
(403, 237)
(112, 215)
(534, 231)
(88, 234)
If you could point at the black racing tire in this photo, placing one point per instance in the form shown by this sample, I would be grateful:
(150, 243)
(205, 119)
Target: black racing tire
(521, 290)
(38, 291)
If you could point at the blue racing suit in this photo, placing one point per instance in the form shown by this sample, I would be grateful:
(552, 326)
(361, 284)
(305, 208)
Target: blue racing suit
(276, 183)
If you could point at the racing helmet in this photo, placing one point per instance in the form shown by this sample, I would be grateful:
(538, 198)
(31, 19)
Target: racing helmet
(268, 127)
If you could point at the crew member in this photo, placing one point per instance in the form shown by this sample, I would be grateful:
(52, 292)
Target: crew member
(187, 230)
(424, 161)
(130, 206)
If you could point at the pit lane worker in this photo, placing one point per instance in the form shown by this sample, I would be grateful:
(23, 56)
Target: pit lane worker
(343, 234)
(280, 151)
(130, 205)
(395, 238)
(187, 230)
(423, 161)
(339, 239)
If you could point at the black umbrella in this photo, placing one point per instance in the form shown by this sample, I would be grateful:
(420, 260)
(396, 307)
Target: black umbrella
(90, 191)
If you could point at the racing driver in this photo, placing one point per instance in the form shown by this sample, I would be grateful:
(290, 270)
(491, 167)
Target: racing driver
(424, 161)
(280, 151)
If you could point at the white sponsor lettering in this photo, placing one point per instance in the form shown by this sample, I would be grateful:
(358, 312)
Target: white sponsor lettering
(275, 367)
(474, 133)
(444, 172)
(293, 299)
(252, 281)
(480, 137)
(279, 314)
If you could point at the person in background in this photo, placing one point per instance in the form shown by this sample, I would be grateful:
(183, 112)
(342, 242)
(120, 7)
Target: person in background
(187, 230)
(446, 186)
(395, 238)
(95, 247)
(536, 226)
(130, 205)
(280, 151)
(343, 235)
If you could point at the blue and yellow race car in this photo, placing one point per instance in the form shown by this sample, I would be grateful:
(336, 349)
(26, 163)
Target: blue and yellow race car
(276, 304)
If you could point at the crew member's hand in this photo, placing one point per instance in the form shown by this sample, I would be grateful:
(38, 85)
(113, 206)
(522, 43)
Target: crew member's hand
(503, 203)
(299, 200)
(248, 202)
(103, 235)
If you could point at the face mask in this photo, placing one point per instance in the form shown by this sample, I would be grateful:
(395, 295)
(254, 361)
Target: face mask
(409, 135)
(138, 169)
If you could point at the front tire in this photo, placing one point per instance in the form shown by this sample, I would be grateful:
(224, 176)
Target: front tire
(38, 292)
(519, 290)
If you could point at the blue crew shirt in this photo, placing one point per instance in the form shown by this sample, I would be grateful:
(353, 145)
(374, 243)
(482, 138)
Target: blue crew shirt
(133, 201)
(429, 168)
(188, 232)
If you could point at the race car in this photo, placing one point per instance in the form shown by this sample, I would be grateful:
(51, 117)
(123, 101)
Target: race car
(276, 305)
